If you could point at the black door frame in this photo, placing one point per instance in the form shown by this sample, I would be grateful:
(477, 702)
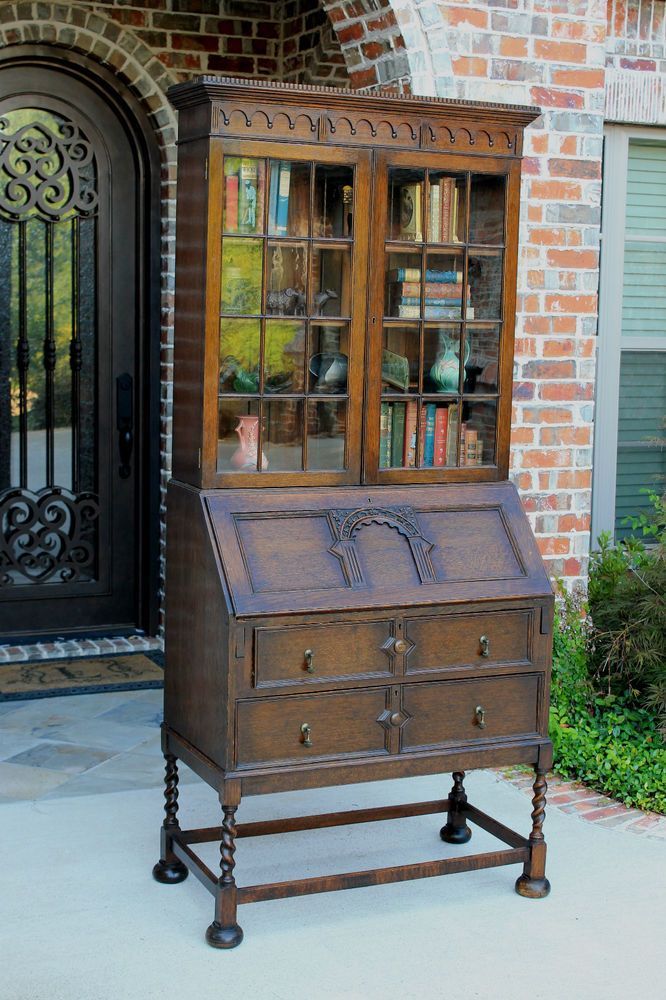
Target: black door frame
(142, 137)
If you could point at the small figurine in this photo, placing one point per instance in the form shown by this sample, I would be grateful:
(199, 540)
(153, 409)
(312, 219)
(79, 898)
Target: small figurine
(250, 215)
(284, 302)
(321, 298)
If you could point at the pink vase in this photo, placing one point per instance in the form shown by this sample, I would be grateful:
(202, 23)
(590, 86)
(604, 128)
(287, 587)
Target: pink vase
(245, 456)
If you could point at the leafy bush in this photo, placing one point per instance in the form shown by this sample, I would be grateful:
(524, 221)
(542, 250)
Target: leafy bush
(604, 740)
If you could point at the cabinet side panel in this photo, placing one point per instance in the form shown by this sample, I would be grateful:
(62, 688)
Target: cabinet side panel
(190, 311)
(197, 629)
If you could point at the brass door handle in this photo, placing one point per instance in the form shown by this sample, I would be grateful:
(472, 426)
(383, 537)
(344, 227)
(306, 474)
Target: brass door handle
(306, 731)
(309, 660)
(480, 713)
(400, 646)
(485, 645)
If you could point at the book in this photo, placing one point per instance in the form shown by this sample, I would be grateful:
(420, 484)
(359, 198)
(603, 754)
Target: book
(272, 196)
(435, 217)
(411, 226)
(385, 436)
(395, 370)
(397, 434)
(447, 187)
(452, 435)
(282, 199)
(409, 454)
(453, 228)
(433, 312)
(433, 289)
(441, 425)
(231, 165)
(468, 456)
(414, 300)
(429, 437)
(414, 274)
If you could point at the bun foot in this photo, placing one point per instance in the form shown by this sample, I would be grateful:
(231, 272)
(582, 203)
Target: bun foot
(218, 936)
(170, 872)
(532, 888)
(455, 834)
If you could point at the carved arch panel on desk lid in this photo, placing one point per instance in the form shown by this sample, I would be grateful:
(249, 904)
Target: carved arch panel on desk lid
(344, 524)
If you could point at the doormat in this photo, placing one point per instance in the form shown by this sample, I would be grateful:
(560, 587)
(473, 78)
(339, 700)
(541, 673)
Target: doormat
(81, 675)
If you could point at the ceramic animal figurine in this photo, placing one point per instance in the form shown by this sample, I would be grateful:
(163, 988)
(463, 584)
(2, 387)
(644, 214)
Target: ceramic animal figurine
(321, 298)
(284, 302)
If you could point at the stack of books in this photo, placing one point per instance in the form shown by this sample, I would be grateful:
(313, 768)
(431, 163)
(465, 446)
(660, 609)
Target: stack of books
(438, 437)
(443, 222)
(443, 293)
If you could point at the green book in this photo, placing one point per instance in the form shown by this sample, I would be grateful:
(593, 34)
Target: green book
(385, 436)
(398, 434)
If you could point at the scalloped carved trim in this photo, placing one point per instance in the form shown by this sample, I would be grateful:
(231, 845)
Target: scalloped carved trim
(264, 122)
(482, 140)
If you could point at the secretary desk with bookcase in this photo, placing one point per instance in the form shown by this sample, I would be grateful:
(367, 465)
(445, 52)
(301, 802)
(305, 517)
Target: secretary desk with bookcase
(353, 589)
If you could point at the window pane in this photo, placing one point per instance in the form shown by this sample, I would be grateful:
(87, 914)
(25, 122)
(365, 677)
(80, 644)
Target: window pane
(238, 434)
(243, 194)
(644, 291)
(289, 198)
(283, 434)
(331, 282)
(329, 357)
(334, 201)
(326, 433)
(446, 209)
(284, 356)
(239, 355)
(405, 207)
(482, 359)
(646, 188)
(484, 276)
(241, 277)
(477, 432)
(486, 217)
(641, 450)
(400, 359)
(287, 279)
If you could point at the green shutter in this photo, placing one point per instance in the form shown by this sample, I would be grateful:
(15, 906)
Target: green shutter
(646, 189)
(641, 454)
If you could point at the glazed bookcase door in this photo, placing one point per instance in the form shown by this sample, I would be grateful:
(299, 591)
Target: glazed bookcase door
(441, 318)
(287, 313)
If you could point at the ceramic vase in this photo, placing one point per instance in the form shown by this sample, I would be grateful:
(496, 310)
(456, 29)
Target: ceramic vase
(446, 369)
(245, 456)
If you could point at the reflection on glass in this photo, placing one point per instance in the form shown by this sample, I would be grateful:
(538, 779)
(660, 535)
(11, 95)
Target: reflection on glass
(405, 204)
(482, 360)
(238, 435)
(326, 433)
(334, 201)
(441, 358)
(331, 282)
(287, 277)
(400, 359)
(284, 356)
(242, 262)
(243, 194)
(484, 276)
(446, 208)
(283, 434)
(329, 357)
(239, 355)
(486, 220)
(289, 198)
(477, 432)
(403, 285)
(438, 434)
(443, 292)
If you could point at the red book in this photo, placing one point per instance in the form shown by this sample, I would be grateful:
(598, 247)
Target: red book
(441, 425)
(231, 203)
(409, 455)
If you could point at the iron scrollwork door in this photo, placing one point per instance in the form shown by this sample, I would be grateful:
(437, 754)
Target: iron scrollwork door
(67, 532)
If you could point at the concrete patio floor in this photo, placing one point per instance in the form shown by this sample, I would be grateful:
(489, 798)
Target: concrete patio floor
(82, 919)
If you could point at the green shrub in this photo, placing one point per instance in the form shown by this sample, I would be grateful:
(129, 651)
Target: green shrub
(604, 740)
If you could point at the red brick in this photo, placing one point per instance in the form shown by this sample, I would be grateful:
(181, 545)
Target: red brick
(352, 33)
(364, 78)
(575, 168)
(565, 435)
(581, 479)
(586, 79)
(470, 66)
(647, 65)
(192, 43)
(573, 258)
(563, 324)
(537, 141)
(554, 546)
(571, 303)
(564, 391)
(466, 15)
(513, 47)
(549, 98)
(537, 324)
(556, 190)
(546, 458)
(548, 237)
(565, 52)
(536, 279)
(572, 522)
(558, 348)
(535, 213)
(522, 435)
(549, 369)
(547, 415)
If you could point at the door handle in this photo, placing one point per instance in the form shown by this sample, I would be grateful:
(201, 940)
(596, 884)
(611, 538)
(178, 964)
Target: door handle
(125, 422)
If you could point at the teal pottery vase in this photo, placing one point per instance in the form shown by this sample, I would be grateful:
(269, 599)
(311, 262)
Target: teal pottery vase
(446, 369)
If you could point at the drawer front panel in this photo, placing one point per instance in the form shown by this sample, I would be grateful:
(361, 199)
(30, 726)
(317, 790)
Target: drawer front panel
(270, 730)
(477, 640)
(474, 710)
(336, 650)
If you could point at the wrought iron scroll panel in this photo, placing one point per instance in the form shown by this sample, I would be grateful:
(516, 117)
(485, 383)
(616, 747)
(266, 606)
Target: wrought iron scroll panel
(49, 502)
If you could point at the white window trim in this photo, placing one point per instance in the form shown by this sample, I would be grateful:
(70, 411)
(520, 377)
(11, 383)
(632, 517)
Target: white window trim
(610, 341)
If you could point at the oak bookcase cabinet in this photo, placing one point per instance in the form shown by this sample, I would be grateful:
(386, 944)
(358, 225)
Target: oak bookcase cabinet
(353, 590)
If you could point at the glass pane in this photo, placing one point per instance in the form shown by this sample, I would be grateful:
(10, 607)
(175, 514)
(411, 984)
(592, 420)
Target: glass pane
(283, 434)
(242, 262)
(447, 196)
(243, 194)
(400, 359)
(334, 201)
(289, 198)
(238, 434)
(331, 282)
(484, 277)
(482, 359)
(644, 290)
(326, 433)
(441, 358)
(403, 285)
(284, 356)
(443, 285)
(329, 357)
(438, 434)
(477, 437)
(405, 204)
(486, 217)
(239, 355)
(62, 335)
(287, 277)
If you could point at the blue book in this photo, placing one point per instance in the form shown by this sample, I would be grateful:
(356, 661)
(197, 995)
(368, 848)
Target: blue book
(272, 197)
(282, 212)
(408, 300)
(429, 444)
(414, 274)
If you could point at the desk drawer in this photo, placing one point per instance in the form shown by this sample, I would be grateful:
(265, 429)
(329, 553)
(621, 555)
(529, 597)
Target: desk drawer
(466, 711)
(478, 640)
(334, 651)
(271, 730)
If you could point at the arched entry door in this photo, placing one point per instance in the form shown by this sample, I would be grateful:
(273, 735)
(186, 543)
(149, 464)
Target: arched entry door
(73, 459)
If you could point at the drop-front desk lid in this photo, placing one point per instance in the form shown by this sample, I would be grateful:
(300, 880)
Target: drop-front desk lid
(287, 550)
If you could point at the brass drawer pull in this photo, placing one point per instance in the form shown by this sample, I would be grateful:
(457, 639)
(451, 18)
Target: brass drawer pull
(485, 645)
(400, 645)
(480, 717)
(309, 660)
(306, 730)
